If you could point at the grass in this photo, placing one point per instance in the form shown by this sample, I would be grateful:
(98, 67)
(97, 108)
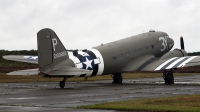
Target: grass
(35, 78)
(189, 103)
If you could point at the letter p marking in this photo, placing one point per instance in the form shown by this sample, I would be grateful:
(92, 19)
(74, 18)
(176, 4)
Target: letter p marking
(54, 42)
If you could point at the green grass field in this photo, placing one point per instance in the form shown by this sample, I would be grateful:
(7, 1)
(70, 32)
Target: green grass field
(189, 103)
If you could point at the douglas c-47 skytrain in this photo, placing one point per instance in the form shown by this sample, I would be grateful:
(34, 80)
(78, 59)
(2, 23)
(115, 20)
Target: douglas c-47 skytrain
(148, 51)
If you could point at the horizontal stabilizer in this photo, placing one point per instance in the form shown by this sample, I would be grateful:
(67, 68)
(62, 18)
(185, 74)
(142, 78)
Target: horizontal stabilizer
(24, 72)
(68, 71)
(22, 58)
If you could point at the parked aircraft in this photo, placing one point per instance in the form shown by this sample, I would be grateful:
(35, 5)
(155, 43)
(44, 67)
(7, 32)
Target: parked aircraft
(148, 51)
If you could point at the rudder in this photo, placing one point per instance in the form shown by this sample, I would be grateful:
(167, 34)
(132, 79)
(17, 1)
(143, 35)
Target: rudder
(50, 49)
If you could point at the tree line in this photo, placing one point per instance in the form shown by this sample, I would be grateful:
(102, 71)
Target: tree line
(194, 54)
(8, 63)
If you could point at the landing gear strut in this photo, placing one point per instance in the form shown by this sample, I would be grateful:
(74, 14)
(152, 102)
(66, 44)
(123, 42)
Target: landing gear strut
(117, 78)
(62, 83)
(168, 77)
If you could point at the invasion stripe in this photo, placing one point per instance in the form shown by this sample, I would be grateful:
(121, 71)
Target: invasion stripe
(174, 63)
(100, 58)
(163, 64)
(73, 58)
(70, 54)
(80, 56)
(164, 67)
(82, 53)
(188, 60)
(75, 52)
(76, 57)
(91, 54)
(96, 67)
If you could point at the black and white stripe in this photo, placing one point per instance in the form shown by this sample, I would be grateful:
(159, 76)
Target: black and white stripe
(76, 57)
(96, 67)
(175, 62)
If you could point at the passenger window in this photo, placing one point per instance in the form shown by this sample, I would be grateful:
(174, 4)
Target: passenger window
(120, 56)
(114, 58)
(152, 46)
(140, 50)
(146, 48)
(124, 55)
(127, 54)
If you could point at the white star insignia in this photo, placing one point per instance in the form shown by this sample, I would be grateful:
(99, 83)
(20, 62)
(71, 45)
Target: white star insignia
(88, 63)
(31, 57)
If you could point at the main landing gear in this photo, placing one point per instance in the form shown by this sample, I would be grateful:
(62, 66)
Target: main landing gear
(168, 77)
(117, 78)
(62, 83)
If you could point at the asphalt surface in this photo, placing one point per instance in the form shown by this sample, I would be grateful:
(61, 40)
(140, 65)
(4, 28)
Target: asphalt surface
(48, 97)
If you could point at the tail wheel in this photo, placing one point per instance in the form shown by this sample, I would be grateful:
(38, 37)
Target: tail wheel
(62, 84)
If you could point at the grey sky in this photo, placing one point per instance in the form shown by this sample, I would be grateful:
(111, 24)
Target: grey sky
(84, 24)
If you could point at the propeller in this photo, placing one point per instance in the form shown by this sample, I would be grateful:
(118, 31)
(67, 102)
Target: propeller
(182, 43)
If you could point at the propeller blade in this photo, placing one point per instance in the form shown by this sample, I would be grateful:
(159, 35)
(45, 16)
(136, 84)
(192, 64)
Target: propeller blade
(182, 43)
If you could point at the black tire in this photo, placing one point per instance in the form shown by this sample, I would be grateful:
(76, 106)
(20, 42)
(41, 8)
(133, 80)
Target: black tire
(117, 78)
(169, 78)
(62, 84)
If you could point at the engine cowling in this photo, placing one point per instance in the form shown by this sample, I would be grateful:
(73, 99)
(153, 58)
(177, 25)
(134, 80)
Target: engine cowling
(175, 53)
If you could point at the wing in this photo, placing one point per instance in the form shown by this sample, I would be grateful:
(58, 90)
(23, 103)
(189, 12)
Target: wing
(177, 62)
(62, 71)
(152, 63)
(136, 64)
(22, 58)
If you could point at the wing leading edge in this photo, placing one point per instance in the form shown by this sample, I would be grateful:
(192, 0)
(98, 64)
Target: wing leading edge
(156, 64)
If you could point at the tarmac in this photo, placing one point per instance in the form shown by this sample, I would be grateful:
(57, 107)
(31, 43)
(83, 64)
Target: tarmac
(48, 97)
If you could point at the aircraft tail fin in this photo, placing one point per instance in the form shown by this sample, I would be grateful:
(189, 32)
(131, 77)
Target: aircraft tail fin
(50, 50)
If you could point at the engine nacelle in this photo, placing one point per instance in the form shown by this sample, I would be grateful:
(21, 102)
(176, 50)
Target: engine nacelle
(175, 53)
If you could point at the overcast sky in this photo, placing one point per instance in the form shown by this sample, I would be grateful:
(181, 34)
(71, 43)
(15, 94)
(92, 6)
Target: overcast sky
(84, 24)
